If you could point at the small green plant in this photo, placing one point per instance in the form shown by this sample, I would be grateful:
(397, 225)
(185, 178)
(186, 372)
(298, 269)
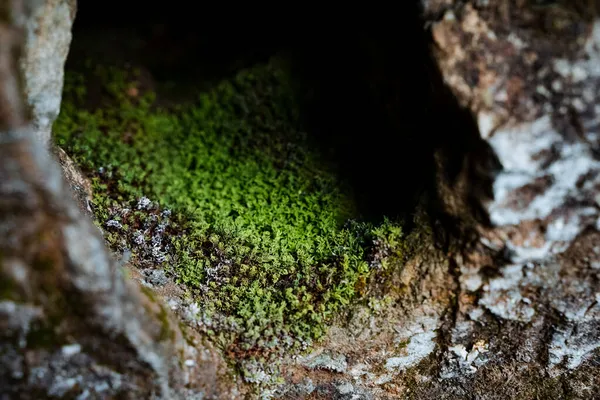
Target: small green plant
(257, 227)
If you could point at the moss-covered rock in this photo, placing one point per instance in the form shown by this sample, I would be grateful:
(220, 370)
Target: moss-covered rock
(246, 213)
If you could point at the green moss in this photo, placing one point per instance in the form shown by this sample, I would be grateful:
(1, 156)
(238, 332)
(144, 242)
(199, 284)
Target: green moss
(259, 231)
(148, 293)
(166, 332)
(8, 288)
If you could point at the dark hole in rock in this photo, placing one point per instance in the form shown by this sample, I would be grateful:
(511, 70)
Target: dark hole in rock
(374, 98)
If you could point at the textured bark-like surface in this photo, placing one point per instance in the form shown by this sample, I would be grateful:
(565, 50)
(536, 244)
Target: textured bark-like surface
(71, 325)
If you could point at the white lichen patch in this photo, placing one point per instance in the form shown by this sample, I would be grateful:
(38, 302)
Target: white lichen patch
(113, 224)
(345, 388)
(419, 347)
(577, 337)
(144, 203)
(502, 296)
(326, 361)
(71, 349)
(417, 341)
(550, 173)
(519, 151)
(465, 361)
(571, 345)
(255, 373)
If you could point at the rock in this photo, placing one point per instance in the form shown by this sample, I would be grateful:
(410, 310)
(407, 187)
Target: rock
(47, 38)
(47, 30)
(529, 77)
(533, 90)
(79, 184)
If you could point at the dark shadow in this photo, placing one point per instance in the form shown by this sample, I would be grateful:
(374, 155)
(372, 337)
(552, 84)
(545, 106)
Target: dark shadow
(375, 102)
(370, 101)
(177, 43)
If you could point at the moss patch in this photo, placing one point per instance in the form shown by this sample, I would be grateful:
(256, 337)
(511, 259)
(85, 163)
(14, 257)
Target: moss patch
(246, 214)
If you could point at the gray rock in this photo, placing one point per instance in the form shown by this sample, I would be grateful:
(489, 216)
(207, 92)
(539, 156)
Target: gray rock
(47, 27)
(156, 277)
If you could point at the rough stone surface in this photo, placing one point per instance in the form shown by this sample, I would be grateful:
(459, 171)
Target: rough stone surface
(375, 350)
(530, 76)
(80, 186)
(46, 29)
(47, 33)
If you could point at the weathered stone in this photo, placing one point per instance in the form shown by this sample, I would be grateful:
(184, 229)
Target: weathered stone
(80, 186)
(47, 32)
(530, 76)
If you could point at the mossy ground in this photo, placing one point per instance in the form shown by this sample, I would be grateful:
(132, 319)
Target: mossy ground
(247, 215)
